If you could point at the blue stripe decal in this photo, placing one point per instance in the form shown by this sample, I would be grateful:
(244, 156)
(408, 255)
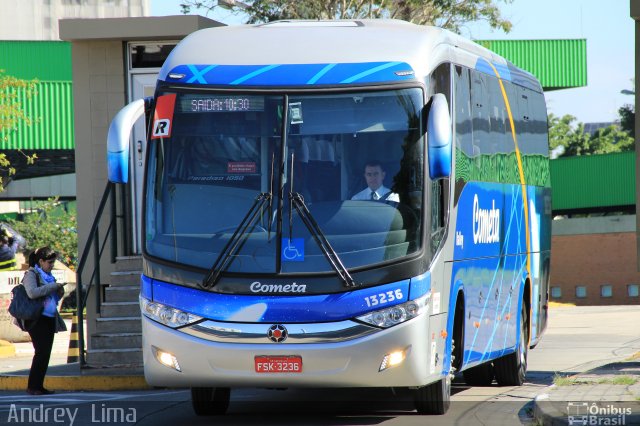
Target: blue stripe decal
(254, 74)
(420, 285)
(274, 309)
(369, 72)
(146, 287)
(322, 72)
(292, 74)
(198, 75)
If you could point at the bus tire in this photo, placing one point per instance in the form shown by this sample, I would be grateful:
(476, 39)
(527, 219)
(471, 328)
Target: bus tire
(480, 375)
(511, 369)
(210, 401)
(434, 398)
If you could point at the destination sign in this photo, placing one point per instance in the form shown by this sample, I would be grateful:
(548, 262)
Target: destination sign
(204, 104)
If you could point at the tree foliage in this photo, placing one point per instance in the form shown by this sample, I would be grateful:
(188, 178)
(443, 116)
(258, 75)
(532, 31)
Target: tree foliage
(628, 119)
(450, 14)
(50, 226)
(566, 132)
(13, 92)
(628, 112)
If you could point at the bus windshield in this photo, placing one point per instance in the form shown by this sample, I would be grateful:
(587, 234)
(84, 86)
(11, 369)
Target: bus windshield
(354, 162)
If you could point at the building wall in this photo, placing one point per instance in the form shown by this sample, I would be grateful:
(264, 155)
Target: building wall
(591, 253)
(99, 93)
(38, 19)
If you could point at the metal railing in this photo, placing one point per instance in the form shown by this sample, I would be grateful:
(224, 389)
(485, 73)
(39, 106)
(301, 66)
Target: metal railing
(95, 246)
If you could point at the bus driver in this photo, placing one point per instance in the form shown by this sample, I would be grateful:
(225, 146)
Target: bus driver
(375, 190)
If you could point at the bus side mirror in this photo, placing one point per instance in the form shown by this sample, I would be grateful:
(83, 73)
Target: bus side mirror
(118, 141)
(439, 137)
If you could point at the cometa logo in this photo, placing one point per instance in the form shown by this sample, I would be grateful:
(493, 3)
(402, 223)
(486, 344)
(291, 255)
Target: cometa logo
(258, 287)
(486, 223)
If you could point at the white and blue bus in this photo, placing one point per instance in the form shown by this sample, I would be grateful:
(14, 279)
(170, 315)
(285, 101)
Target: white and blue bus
(263, 268)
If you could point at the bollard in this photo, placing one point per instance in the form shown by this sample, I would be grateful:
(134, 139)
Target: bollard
(73, 355)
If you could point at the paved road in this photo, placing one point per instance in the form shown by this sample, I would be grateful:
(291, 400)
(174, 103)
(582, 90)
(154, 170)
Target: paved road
(577, 339)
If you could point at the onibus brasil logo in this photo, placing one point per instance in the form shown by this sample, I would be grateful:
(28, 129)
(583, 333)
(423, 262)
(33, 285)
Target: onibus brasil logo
(586, 414)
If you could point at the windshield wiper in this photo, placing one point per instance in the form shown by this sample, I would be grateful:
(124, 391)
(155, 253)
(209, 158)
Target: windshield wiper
(231, 248)
(321, 239)
(236, 240)
(307, 218)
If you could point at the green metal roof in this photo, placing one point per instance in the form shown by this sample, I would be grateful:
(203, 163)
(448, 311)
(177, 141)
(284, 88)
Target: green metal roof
(51, 110)
(591, 183)
(558, 64)
(44, 60)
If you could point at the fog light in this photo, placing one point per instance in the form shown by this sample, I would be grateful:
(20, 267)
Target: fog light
(166, 359)
(392, 359)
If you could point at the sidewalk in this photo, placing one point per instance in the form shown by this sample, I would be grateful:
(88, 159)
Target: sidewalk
(14, 370)
(604, 395)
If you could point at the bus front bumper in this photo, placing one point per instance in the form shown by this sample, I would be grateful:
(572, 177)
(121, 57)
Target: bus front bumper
(352, 363)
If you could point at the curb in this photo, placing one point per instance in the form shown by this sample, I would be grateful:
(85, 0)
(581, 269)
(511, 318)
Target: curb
(553, 406)
(546, 413)
(7, 351)
(77, 383)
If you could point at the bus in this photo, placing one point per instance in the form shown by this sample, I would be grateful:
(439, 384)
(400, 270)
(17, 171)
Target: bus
(264, 267)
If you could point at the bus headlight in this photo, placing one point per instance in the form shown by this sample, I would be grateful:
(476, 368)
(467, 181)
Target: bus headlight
(166, 315)
(397, 314)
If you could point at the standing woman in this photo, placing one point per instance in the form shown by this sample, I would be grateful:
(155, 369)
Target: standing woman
(39, 283)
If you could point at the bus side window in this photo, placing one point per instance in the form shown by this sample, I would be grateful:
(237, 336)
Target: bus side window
(480, 113)
(539, 119)
(533, 112)
(525, 130)
(497, 116)
(462, 105)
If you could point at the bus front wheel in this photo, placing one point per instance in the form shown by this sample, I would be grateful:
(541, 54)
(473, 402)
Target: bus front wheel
(434, 398)
(210, 401)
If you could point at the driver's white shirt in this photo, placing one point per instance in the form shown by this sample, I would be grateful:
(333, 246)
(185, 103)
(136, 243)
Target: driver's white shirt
(365, 194)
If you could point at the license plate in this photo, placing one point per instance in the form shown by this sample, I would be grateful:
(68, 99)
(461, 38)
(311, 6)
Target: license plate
(278, 364)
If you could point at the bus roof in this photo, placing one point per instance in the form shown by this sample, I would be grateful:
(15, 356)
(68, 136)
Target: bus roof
(325, 52)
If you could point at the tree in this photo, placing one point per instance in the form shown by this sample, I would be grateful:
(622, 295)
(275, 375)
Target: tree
(13, 91)
(450, 14)
(628, 119)
(575, 141)
(628, 113)
(50, 226)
